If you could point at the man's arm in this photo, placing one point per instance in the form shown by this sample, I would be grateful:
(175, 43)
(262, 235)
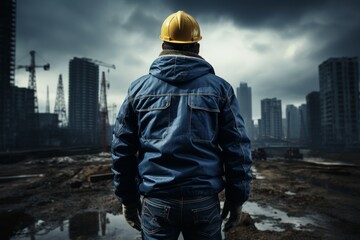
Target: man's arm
(124, 161)
(236, 153)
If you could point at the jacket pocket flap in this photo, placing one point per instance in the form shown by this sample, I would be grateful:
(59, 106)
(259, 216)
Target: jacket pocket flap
(204, 102)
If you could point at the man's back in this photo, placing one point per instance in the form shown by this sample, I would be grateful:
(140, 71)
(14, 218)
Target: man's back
(177, 136)
(178, 106)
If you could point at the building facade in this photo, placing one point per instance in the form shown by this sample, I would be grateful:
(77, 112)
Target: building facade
(313, 118)
(26, 122)
(84, 101)
(293, 123)
(270, 126)
(245, 103)
(7, 71)
(339, 101)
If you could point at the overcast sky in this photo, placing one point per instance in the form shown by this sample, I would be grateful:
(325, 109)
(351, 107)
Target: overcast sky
(274, 46)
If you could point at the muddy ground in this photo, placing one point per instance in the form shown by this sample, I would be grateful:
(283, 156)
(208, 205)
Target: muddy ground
(313, 198)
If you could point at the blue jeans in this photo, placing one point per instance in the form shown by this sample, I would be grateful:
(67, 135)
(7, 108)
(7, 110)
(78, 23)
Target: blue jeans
(197, 218)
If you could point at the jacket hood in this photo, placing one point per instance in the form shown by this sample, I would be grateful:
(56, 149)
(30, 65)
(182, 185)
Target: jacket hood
(175, 68)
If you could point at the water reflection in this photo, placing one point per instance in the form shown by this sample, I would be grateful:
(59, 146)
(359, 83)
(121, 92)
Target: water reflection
(102, 225)
(84, 225)
(274, 219)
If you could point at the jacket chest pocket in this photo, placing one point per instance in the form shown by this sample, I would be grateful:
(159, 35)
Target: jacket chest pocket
(154, 116)
(204, 112)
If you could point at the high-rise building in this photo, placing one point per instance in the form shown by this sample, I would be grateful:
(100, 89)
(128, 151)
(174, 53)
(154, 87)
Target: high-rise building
(339, 101)
(26, 119)
(245, 103)
(303, 123)
(313, 118)
(84, 101)
(7, 66)
(292, 123)
(270, 126)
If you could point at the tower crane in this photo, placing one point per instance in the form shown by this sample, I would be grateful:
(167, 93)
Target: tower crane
(103, 100)
(101, 63)
(32, 76)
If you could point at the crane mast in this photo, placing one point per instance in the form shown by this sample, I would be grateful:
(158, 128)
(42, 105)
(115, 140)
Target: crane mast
(104, 111)
(103, 101)
(60, 107)
(32, 76)
(47, 106)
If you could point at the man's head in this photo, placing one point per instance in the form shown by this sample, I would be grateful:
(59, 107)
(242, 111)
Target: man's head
(180, 31)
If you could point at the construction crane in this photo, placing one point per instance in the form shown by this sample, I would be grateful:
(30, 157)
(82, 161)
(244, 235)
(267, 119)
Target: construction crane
(103, 100)
(32, 76)
(47, 106)
(114, 109)
(101, 63)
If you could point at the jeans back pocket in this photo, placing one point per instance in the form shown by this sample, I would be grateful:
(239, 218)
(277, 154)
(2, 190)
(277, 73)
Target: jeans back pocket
(154, 216)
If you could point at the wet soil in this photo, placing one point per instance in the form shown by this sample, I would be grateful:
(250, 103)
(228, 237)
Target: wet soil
(298, 199)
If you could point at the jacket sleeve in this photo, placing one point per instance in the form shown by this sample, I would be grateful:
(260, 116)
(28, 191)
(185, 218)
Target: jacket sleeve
(236, 151)
(124, 149)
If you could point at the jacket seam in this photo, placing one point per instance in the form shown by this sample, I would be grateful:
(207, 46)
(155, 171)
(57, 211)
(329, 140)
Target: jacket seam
(175, 94)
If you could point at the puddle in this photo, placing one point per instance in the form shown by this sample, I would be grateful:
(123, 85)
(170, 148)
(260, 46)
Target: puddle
(269, 218)
(290, 193)
(13, 221)
(85, 225)
(324, 162)
(256, 174)
(16, 177)
(102, 225)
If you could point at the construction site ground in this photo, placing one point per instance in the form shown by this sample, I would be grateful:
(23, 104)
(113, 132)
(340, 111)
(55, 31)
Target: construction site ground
(52, 198)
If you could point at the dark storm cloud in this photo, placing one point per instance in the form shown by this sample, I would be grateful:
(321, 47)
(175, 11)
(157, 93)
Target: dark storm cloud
(65, 24)
(124, 30)
(344, 44)
(143, 22)
(334, 24)
(256, 13)
(60, 26)
(339, 29)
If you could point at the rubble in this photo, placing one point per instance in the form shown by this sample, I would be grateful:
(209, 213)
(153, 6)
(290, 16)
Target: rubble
(290, 199)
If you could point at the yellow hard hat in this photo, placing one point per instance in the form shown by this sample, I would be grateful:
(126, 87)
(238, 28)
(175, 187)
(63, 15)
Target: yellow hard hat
(180, 27)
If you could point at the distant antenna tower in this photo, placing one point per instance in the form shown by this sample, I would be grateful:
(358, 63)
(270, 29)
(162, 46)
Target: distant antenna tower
(60, 108)
(47, 107)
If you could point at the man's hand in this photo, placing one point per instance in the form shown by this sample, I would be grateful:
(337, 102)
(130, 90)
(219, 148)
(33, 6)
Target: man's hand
(235, 214)
(132, 214)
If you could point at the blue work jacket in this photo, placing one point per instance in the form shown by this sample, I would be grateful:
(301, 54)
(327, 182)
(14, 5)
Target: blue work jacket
(179, 133)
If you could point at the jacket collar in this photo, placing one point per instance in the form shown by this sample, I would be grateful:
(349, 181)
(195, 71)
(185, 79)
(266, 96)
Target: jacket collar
(181, 53)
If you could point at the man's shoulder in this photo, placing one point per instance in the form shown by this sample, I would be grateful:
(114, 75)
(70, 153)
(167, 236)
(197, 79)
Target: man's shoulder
(219, 80)
(139, 85)
(139, 81)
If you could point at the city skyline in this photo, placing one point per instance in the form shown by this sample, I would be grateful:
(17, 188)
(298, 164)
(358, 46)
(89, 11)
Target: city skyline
(276, 49)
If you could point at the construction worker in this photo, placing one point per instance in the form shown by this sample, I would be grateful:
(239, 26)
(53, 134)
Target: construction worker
(178, 141)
